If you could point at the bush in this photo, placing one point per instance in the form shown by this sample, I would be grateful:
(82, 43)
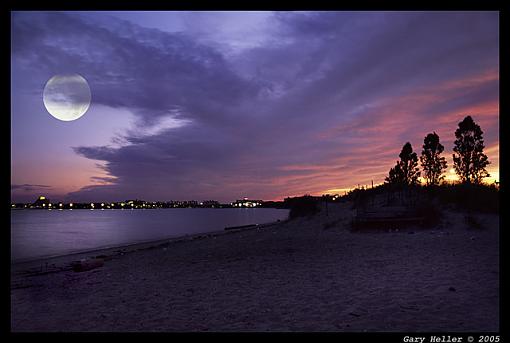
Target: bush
(480, 198)
(303, 206)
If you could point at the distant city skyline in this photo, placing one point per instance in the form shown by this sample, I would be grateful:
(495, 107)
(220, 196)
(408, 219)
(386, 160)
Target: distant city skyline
(42, 202)
(223, 105)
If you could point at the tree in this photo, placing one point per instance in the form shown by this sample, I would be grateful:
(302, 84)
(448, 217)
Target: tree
(395, 175)
(406, 170)
(468, 159)
(432, 163)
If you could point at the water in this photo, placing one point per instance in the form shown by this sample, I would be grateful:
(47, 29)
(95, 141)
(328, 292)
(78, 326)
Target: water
(40, 233)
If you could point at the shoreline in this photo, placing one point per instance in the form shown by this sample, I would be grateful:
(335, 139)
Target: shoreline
(305, 274)
(62, 261)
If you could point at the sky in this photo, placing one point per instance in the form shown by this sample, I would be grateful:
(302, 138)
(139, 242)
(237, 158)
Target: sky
(226, 105)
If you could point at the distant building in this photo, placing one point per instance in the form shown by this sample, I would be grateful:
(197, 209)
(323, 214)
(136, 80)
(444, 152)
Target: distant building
(41, 202)
(247, 203)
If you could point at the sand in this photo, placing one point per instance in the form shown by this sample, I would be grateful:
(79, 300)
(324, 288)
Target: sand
(300, 275)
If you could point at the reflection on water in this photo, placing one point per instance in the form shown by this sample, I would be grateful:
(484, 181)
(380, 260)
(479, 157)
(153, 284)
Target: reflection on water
(36, 233)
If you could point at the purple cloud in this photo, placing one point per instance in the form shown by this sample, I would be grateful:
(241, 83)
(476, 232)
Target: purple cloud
(29, 188)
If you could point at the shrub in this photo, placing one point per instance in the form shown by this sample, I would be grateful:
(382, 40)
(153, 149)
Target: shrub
(303, 206)
(470, 197)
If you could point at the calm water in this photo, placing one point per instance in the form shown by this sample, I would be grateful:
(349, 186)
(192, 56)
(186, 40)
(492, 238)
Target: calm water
(37, 233)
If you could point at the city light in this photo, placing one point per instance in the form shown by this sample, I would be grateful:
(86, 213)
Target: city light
(140, 204)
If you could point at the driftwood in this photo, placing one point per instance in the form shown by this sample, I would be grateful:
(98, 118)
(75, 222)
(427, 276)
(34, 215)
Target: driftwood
(241, 227)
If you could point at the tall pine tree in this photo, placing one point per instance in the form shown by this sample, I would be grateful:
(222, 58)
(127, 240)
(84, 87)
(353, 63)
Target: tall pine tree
(433, 164)
(406, 170)
(395, 175)
(469, 160)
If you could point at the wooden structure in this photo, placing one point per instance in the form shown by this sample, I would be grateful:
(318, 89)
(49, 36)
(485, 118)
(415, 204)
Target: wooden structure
(390, 210)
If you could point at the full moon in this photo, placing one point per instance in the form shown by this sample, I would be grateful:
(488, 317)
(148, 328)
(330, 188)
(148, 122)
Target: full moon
(67, 97)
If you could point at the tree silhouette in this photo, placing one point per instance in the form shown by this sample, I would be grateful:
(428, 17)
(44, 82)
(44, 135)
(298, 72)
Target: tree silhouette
(396, 176)
(406, 170)
(432, 163)
(468, 159)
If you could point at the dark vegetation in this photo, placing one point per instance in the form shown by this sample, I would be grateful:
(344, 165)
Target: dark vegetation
(302, 206)
(432, 163)
(471, 197)
(406, 171)
(469, 160)
(422, 206)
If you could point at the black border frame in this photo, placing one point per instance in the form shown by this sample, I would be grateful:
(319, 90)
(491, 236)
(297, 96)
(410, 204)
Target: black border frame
(52, 5)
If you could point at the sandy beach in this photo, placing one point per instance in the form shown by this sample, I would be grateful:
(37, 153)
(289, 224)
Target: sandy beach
(308, 274)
